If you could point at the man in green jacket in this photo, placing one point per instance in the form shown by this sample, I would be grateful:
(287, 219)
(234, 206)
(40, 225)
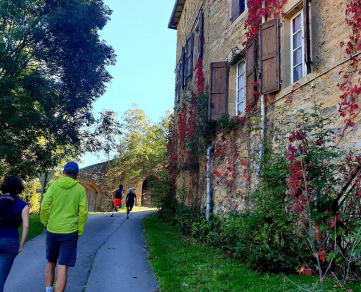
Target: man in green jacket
(64, 212)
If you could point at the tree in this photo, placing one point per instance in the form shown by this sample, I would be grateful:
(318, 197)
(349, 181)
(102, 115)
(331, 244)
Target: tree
(52, 68)
(142, 148)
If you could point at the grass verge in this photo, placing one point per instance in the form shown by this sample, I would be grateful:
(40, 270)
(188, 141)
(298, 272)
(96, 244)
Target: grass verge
(35, 227)
(182, 264)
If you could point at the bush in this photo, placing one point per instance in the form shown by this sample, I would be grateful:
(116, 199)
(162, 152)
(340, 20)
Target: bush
(266, 238)
(266, 244)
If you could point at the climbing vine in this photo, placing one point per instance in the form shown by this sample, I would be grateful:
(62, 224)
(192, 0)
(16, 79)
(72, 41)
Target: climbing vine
(350, 87)
(257, 9)
(323, 181)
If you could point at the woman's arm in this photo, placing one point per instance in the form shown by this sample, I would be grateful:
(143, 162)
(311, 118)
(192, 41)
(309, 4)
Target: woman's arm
(25, 218)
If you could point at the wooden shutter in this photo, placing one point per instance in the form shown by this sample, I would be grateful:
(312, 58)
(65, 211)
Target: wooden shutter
(201, 34)
(182, 61)
(307, 34)
(189, 55)
(218, 102)
(251, 71)
(235, 10)
(269, 49)
(178, 84)
(180, 77)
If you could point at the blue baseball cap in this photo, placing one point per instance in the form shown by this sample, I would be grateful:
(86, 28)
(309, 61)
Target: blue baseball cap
(71, 168)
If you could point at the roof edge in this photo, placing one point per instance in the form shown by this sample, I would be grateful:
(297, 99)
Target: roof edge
(174, 19)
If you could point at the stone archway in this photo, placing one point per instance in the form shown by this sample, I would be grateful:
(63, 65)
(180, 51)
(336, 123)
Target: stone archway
(146, 194)
(93, 194)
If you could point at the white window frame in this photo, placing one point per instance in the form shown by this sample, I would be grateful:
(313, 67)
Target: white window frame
(244, 87)
(304, 68)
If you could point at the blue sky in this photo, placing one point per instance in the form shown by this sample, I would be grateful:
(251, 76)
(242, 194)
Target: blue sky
(146, 49)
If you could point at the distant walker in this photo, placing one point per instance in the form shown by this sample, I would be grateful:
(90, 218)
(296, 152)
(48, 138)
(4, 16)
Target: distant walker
(129, 201)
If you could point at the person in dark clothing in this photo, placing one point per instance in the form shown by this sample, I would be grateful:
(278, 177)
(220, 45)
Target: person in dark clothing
(13, 213)
(118, 199)
(129, 201)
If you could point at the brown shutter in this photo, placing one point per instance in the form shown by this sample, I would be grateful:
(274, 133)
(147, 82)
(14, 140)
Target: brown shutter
(235, 10)
(182, 61)
(180, 77)
(178, 83)
(200, 35)
(307, 34)
(218, 102)
(269, 49)
(251, 71)
(189, 55)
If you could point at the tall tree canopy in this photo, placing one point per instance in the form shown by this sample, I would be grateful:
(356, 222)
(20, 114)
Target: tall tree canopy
(142, 148)
(52, 67)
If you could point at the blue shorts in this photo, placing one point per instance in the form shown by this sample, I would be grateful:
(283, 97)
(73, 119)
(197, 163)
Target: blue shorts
(61, 248)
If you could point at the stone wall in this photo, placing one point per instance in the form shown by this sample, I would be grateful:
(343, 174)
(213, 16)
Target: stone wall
(100, 195)
(100, 192)
(221, 36)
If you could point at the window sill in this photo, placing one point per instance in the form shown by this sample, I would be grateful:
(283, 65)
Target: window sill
(287, 90)
(242, 17)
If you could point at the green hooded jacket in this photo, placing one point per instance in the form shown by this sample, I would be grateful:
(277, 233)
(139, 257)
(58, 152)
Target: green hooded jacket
(63, 202)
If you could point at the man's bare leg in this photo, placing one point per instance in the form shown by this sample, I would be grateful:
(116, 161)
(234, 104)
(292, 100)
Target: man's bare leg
(50, 274)
(61, 279)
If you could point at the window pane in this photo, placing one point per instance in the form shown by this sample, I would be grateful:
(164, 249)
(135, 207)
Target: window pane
(241, 95)
(297, 39)
(297, 23)
(242, 6)
(240, 81)
(297, 73)
(297, 56)
(241, 108)
(241, 68)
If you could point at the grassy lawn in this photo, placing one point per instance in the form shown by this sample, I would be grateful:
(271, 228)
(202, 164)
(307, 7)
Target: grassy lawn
(35, 227)
(181, 264)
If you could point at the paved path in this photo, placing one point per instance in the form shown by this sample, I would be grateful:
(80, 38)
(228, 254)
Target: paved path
(111, 257)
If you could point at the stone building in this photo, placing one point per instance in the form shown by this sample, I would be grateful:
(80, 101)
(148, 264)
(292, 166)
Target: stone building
(295, 53)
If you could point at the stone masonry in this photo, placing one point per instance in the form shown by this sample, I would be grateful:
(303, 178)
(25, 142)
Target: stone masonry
(221, 35)
(100, 192)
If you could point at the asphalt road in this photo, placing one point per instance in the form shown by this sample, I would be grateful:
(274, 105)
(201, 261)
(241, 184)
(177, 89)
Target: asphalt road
(111, 257)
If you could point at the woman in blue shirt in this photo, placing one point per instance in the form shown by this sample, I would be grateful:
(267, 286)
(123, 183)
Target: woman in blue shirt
(13, 213)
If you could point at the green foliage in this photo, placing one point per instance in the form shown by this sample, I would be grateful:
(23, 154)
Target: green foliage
(267, 238)
(52, 68)
(141, 150)
(205, 128)
(181, 263)
(31, 196)
(162, 192)
(226, 123)
(35, 226)
(236, 56)
(267, 244)
(324, 187)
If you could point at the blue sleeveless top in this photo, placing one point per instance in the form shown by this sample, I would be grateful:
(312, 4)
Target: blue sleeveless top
(12, 232)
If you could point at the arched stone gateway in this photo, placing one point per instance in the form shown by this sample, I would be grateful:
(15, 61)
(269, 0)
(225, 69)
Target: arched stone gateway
(99, 194)
(93, 193)
(146, 194)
